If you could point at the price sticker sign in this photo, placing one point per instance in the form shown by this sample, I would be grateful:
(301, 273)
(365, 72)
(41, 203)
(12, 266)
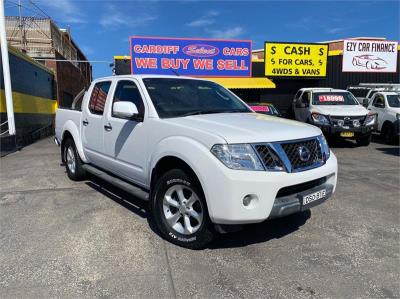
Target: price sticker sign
(295, 59)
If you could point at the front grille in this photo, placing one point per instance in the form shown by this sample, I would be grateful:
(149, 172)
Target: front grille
(346, 121)
(269, 158)
(292, 152)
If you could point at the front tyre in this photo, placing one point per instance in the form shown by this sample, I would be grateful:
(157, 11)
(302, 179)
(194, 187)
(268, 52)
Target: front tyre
(388, 134)
(180, 211)
(364, 140)
(73, 162)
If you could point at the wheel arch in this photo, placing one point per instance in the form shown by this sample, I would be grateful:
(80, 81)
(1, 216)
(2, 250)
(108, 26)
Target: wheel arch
(169, 162)
(70, 130)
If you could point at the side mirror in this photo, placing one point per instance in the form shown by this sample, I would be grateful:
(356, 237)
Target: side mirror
(126, 110)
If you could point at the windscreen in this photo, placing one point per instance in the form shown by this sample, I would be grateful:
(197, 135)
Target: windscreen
(393, 101)
(334, 98)
(174, 97)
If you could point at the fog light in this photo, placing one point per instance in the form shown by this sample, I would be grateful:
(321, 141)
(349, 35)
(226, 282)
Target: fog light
(248, 199)
(356, 123)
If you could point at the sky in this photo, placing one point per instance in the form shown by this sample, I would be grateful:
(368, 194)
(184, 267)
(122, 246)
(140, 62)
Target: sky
(102, 28)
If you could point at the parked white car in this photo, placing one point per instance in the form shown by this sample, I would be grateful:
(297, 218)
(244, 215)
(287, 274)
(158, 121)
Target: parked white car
(336, 112)
(387, 107)
(202, 158)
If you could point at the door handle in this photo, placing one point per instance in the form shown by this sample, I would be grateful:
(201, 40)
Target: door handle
(85, 122)
(108, 127)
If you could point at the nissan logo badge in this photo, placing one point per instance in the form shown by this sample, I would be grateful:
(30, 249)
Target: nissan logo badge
(304, 153)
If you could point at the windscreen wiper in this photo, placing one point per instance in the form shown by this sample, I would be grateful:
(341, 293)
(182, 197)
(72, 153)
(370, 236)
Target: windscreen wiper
(198, 112)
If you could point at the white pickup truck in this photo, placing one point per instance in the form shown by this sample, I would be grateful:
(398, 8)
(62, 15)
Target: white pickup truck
(386, 104)
(336, 112)
(202, 158)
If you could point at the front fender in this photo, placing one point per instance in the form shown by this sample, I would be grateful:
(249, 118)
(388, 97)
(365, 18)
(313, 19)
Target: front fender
(71, 127)
(192, 152)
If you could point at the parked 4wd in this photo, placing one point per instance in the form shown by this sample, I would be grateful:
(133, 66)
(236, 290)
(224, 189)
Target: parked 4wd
(201, 157)
(387, 107)
(336, 112)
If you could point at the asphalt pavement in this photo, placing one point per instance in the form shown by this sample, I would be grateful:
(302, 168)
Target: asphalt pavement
(60, 238)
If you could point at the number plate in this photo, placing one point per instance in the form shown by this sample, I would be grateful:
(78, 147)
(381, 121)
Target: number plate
(314, 196)
(347, 134)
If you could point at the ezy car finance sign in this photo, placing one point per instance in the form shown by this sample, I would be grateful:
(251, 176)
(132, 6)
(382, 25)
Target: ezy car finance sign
(369, 56)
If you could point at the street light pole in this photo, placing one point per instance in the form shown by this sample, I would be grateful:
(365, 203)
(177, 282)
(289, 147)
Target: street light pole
(6, 71)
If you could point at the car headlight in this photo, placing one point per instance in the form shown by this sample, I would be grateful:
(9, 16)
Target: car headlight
(326, 152)
(370, 119)
(237, 156)
(319, 119)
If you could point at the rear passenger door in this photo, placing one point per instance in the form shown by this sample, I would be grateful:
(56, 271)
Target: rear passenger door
(125, 140)
(92, 123)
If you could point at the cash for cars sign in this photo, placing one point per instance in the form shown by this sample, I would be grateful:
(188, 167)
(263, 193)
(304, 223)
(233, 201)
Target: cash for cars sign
(193, 57)
(295, 59)
(369, 56)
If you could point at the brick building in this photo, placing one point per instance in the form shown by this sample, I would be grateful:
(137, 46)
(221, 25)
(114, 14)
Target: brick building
(41, 39)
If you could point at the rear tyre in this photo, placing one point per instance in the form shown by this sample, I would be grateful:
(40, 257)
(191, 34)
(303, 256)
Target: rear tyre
(179, 210)
(364, 140)
(73, 162)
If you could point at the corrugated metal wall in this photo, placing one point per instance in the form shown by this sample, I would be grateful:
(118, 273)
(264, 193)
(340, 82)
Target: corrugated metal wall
(337, 79)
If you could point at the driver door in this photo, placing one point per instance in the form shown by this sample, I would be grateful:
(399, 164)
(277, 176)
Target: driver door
(378, 107)
(301, 106)
(125, 140)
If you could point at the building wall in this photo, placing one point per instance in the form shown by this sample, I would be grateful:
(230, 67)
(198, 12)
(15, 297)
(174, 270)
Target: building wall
(70, 79)
(45, 41)
(286, 88)
(33, 96)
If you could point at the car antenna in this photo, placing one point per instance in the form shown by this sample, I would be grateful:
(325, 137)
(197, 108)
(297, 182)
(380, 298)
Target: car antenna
(175, 72)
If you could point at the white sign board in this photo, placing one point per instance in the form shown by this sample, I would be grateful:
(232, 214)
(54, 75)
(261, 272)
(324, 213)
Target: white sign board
(369, 56)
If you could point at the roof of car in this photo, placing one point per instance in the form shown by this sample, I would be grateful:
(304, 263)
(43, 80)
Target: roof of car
(388, 92)
(322, 89)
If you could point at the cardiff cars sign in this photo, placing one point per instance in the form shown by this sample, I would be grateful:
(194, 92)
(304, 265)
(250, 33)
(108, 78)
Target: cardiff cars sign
(190, 56)
(295, 59)
(369, 56)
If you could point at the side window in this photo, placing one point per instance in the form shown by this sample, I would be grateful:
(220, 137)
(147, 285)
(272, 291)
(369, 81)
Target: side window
(306, 97)
(297, 95)
(379, 101)
(98, 97)
(127, 91)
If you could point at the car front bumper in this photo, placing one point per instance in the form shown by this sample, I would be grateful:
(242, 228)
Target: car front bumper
(225, 189)
(336, 131)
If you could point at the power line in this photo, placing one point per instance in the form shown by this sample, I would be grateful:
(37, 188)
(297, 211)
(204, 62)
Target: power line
(70, 60)
(35, 5)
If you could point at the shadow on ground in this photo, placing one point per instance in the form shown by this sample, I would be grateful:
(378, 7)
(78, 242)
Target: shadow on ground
(394, 151)
(262, 232)
(251, 234)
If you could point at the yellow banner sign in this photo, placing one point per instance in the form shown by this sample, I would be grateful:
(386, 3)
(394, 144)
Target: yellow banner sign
(295, 60)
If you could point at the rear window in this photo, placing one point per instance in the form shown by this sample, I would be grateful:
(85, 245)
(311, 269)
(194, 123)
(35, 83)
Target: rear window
(334, 98)
(98, 97)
